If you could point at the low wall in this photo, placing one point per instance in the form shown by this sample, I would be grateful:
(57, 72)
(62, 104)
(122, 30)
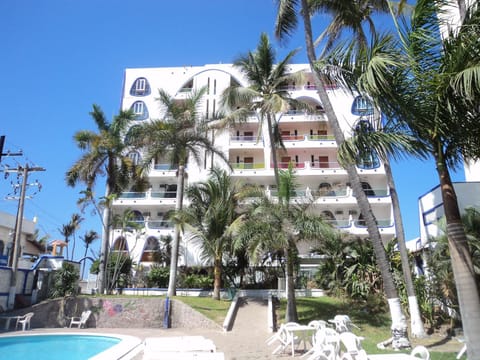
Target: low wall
(115, 312)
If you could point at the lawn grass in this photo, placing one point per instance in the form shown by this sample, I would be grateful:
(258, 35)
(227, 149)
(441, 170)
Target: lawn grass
(374, 328)
(215, 310)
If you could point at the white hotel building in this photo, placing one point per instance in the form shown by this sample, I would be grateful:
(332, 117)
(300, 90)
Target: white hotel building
(309, 143)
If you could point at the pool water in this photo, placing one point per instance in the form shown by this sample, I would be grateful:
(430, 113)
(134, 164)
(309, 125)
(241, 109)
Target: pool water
(54, 347)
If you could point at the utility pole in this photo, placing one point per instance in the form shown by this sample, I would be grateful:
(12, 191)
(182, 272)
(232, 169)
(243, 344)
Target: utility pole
(18, 229)
(8, 153)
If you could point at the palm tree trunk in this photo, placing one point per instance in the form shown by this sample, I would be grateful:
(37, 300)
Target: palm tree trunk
(463, 271)
(398, 319)
(84, 261)
(416, 323)
(217, 278)
(172, 282)
(291, 314)
(102, 268)
(273, 149)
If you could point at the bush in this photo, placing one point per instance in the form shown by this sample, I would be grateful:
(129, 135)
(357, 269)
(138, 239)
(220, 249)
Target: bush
(65, 281)
(158, 276)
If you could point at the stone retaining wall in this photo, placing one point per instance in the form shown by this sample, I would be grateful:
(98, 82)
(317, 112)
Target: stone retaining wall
(116, 312)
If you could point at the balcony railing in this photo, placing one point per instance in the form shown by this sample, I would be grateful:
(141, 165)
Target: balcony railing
(330, 192)
(132, 195)
(165, 167)
(163, 194)
(159, 224)
(241, 138)
(247, 166)
(148, 195)
(320, 137)
(380, 223)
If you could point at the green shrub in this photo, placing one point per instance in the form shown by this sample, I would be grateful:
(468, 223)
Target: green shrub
(158, 276)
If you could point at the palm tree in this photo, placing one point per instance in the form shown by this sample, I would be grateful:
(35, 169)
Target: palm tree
(266, 93)
(180, 134)
(285, 24)
(88, 239)
(348, 15)
(428, 86)
(66, 231)
(104, 155)
(366, 142)
(211, 212)
(75, 224)
(270, 225)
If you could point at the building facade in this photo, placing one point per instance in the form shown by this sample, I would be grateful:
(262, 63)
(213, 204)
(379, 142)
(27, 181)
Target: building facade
(310, 148)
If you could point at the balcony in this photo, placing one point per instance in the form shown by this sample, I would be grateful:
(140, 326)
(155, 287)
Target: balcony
(247, 166)
(147, 198)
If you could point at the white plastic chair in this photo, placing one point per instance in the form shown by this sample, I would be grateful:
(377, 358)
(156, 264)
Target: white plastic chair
(343, 323)
(420, 352)
(351, 347)
(462, 351)
(80, 321)
(325, 343)
(24, 321)
(317, 324)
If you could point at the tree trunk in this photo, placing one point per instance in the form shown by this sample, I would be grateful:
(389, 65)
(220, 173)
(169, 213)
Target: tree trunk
(291, 314)
(172, 282)
(398, 319)
(416, 323)
(102, 267)
(463, 271)
(217, 278)
(273, 149)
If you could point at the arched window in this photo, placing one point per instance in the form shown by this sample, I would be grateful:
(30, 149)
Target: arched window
(152, 247)
(120, 245)
(140, 87)
(367, 157)
(135, 157)
(327, 215)
(324, 189)
(140, 110)
(362, 106)
(367, 189)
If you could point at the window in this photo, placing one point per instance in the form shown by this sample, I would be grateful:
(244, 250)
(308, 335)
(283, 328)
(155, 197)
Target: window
(140, 110)
(120, 244)
(367, 157)
(140, 87)
(135, 157)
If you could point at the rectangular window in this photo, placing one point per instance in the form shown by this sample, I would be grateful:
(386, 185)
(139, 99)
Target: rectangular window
(140, 86)
(206, 110)
(214, 87)
(138, 108)
(213, 108)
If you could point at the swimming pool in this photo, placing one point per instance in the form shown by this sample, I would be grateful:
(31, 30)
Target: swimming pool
(72, 346)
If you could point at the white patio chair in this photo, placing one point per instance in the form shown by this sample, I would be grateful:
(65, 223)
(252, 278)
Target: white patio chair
(80, 321)
(24, 321)
(317, 324)
(325, 344)
(343, 323)
(420, 352)
(350, 346)
(462, 351)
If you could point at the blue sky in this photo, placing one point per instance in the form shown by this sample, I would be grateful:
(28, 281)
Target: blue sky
(58, 57)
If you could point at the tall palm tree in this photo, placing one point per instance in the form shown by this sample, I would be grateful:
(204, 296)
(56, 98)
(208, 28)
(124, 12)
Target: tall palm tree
(388, 141)
(266, 93)
(430, 87)
(66, 231)
(286, 22)
(270, 225)
(88, 239)
(210, 214)
(75, 224)
(104, 154)
(180, 134)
